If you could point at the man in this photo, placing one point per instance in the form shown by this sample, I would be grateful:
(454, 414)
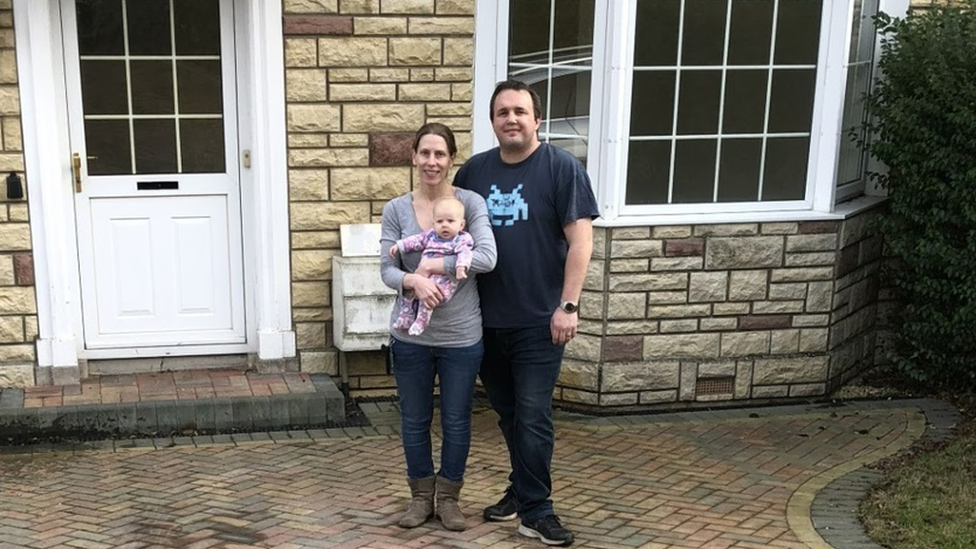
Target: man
(542, 210)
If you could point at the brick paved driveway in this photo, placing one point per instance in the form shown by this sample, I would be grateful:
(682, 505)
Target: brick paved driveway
(691, 480)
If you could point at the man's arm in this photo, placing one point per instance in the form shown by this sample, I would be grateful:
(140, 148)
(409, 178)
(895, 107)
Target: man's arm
(579, 235)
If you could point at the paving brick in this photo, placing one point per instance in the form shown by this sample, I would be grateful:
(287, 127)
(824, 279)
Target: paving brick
(680, 481)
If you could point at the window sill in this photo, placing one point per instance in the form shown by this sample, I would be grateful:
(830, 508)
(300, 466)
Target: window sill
(842, 211)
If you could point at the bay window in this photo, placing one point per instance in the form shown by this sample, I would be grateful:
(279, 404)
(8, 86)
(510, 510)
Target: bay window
(691, 106)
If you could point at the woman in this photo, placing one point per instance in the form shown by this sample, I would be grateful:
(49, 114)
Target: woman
(450, 346)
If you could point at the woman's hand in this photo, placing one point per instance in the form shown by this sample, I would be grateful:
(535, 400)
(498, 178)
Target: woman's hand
(423, 289)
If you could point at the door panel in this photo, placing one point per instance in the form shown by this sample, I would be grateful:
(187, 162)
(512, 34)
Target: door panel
(153, 120)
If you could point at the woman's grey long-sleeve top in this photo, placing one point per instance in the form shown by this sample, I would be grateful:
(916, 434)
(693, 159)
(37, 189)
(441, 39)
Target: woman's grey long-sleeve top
(456, 323)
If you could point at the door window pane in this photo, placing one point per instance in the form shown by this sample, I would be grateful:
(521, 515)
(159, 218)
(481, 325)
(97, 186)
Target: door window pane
(197, 27)
(152, 87)
(155, 146)
(99, 27)
(149, 27)
(134, 78)
(202, 146)
(103, 87)
(648, 172)
(107, 143)
(199, 84)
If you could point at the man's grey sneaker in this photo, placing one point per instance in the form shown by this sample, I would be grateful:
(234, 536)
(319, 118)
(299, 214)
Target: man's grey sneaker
(548, 530)
(505, 509)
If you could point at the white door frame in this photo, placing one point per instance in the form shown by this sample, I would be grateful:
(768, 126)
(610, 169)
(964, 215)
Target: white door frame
(264, 195)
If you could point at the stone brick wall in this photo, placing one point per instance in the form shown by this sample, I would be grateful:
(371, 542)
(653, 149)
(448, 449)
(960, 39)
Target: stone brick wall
(854, 317)
(18, 306)
(710, 313)
(361, 77)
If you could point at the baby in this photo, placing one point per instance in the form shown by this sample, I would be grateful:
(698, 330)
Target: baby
(446, 237)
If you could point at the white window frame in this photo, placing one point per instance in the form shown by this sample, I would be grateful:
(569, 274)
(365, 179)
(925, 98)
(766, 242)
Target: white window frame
(613, 45)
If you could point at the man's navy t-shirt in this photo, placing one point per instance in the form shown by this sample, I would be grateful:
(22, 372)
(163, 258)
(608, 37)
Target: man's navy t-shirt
(529, 203)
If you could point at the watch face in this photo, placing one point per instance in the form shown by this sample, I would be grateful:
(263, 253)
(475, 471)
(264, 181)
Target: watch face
(570, 307)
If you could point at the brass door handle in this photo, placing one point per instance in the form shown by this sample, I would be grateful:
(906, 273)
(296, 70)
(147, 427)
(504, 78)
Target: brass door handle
(76, 170)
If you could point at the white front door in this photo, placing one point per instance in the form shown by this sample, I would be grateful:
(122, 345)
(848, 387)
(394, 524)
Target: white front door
(153, 126)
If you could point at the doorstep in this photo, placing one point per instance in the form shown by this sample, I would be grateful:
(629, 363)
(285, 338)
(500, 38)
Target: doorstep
(179, 402)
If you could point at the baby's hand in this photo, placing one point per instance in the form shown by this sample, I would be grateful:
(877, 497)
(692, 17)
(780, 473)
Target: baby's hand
(394, 250)
(461, 273)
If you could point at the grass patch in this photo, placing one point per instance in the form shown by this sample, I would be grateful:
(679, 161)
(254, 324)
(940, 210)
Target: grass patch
(928, 498)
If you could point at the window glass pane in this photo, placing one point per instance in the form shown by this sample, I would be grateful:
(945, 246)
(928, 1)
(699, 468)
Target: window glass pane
(99, 27)
(107, 146)
(541, 87)
(202, 145)
(576, 147)
(570, 105)
(751, 31)
(745, 101)
(798, 32)
(197, 27)
(652, 104)
(155, 142)
(528, 30)
(855, 30)
(704, 36)
(647, 174)
(698, 103)
(791, 100)
(573, 27)
(103, 88)
(738, 178)
(694, 171)
(786, 168)
(152, 87)
(850, 166)
(149, 27)
(199, 84)
(656, 42)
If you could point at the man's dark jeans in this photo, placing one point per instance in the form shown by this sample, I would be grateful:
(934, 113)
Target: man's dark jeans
(519, 372)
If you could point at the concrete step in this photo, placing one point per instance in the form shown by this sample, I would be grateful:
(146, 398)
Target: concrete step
(165, 403)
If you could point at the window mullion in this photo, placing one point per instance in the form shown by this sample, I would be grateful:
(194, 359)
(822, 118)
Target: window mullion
(721, 99)
(550, 60)
(677, 100)
(769, 94)
(614, 125)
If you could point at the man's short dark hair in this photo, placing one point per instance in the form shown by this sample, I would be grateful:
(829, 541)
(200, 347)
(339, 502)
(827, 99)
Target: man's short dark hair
(516, 85)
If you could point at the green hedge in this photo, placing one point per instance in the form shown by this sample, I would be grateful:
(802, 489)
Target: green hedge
(924, 121)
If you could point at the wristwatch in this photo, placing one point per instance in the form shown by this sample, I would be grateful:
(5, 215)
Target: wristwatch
(569, 307)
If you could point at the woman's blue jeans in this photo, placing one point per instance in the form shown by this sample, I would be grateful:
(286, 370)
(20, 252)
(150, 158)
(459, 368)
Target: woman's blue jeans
(414, 367)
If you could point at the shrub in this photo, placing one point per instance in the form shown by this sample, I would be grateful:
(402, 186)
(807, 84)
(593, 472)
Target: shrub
(924, 122)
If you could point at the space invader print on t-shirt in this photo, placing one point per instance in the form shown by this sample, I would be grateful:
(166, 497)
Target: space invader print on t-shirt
(507, 208)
